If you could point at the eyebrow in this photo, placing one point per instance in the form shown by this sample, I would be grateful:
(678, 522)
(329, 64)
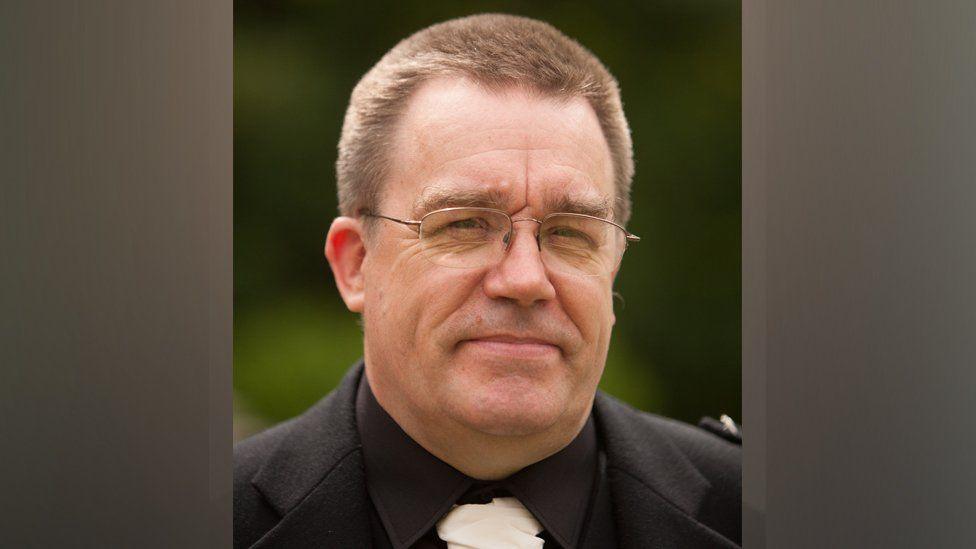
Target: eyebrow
(596, 206)
(437, 198)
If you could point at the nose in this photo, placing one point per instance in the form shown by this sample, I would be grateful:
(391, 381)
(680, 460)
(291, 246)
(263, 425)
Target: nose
(520, 276)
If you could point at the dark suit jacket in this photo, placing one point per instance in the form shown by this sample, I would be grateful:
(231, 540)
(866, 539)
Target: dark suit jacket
(301, 483)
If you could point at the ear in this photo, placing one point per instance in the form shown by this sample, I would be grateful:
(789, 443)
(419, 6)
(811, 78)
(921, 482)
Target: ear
(345, 249)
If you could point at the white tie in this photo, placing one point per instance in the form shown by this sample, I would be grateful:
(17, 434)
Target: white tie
(502, 524)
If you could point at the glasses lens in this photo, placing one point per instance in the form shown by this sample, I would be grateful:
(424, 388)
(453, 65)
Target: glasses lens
(464, 237)
(580, 244)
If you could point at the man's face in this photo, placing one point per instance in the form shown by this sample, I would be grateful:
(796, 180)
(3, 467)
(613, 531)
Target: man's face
(512, 348)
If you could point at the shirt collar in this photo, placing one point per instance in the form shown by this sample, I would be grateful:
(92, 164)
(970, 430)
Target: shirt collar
(412, 489)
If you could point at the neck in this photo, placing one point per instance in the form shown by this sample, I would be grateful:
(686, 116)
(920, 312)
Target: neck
(479, 455)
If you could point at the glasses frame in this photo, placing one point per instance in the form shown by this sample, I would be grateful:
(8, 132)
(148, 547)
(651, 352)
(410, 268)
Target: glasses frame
(416, 224)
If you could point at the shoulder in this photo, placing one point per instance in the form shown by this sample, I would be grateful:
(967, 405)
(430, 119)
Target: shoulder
(705, 439)
(251, 453)
(714, 455)
(253, 515)
(717, 459)
(326, 427)
(640, 436)
(652, 459)
(275, 469)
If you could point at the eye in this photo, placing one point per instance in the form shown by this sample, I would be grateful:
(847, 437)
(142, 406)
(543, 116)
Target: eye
(566, 232)
(569, 236)
(467, 229)
(469, 223)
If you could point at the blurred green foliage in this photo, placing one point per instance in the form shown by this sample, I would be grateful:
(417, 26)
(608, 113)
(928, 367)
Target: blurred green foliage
(676, 348)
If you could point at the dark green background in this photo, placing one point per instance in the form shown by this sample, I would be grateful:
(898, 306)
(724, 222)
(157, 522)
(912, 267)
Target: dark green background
(676, 347)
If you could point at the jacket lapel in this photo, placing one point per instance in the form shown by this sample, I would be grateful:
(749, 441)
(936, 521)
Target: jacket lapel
(657, 491)
(315, 480)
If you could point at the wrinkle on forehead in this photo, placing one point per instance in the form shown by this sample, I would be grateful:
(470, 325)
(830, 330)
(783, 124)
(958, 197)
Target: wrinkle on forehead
(525, 147)
(436, 147)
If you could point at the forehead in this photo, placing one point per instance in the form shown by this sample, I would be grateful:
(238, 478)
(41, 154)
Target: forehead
(516, 146)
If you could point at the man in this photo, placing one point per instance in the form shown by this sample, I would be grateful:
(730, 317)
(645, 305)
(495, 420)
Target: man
(484, 173)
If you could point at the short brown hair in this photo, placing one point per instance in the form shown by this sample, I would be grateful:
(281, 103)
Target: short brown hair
(492, 49)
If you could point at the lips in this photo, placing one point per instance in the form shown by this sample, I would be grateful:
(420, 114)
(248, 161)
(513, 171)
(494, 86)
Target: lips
(514, 346)
(514, 340)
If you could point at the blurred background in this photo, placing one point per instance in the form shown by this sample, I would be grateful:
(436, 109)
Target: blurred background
(676, 346)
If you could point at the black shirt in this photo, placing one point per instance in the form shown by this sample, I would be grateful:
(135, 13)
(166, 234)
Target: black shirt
(411, 489)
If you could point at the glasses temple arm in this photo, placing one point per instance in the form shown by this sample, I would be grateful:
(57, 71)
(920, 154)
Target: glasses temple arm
(402, 221)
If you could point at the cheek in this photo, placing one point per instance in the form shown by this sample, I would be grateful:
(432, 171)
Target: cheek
(408, 299)
(438, 296)
(389, 269)
(589, 304)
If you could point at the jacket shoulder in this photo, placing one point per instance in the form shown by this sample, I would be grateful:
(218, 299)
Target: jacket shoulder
(719, 460)
(251, 453)
(275, 469)
(655, 448)
(701, 445)
(253, 515)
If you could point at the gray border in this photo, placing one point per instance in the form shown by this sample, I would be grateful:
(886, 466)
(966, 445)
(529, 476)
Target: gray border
(859, 265)
(115, 374)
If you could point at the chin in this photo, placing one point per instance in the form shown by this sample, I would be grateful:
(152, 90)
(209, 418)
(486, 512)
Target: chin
(512, 406)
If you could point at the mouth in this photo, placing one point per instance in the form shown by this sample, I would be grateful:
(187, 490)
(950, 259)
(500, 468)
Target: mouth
(514, 347)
